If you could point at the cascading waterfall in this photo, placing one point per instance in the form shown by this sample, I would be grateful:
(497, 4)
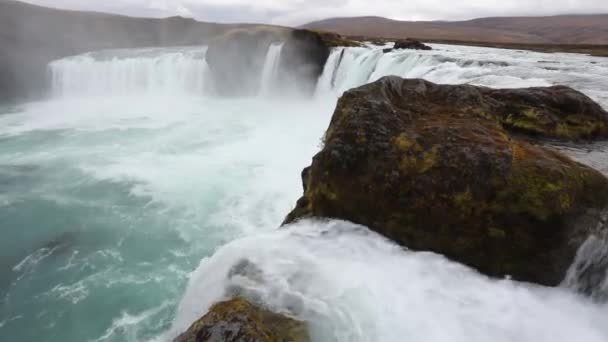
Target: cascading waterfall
(124, 72)
(327, 80)
(184, 71)
(160, 71)
(588, 272)
(270, 71)
(352, 67)
(133, 174)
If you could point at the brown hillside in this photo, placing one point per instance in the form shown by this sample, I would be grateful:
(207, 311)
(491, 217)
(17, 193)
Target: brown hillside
(567, 29)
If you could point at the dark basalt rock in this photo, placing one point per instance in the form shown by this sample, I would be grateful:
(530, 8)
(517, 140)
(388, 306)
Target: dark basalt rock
(236, 59)
(436, 167)
(335, 40)
(303, 59)
(238, 320)
(411, 44)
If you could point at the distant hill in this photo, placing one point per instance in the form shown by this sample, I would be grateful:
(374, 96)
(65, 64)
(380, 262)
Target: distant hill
(31, 36)
(565, 29)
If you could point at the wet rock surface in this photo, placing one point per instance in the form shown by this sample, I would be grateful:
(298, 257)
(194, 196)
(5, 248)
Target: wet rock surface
(451, 169)
(411, 44)
(238, 320)
(236, 59)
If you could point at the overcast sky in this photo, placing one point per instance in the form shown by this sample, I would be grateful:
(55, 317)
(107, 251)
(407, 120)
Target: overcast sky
(296, 12)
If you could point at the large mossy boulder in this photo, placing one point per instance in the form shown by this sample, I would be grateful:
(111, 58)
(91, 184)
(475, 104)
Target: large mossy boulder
(238, 320)
(438, 168)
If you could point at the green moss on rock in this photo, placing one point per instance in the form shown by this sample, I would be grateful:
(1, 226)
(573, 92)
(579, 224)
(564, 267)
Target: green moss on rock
(555, 112)
(238, 320)
(441, 171)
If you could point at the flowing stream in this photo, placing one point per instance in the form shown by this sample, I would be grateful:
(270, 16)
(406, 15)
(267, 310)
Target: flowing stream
(133, 198)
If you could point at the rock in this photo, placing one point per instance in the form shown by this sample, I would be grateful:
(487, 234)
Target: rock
(378, 41)
(238, 320)
(410, 44)
(554, 112)
(438, 168)
(237, 58)
(332, 39)
(303, 59)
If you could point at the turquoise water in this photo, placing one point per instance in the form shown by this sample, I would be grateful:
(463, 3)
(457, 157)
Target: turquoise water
(107, 205)
(127, 200)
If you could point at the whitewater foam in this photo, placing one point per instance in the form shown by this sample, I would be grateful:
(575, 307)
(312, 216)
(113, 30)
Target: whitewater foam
(120, 72)
(127, 324)
(353, 285)
(445, 64)
(148, 173)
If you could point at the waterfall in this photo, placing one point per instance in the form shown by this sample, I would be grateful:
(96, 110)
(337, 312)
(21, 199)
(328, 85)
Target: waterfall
(127, 72)
(351, 67)
(112, 201)
(588, 273)
(184, 71)
(271, 69)
(347, 68)
(159, 71)
(327, 78)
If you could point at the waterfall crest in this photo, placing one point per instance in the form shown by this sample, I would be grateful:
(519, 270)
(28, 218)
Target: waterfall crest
(185, 71)
(270, 72)
(127, 72)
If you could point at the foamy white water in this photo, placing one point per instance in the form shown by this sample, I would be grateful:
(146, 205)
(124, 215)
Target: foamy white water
(116, 188)
(448, 64)
(125, 72)
(111, 205)
(270, 70)
(353, 285)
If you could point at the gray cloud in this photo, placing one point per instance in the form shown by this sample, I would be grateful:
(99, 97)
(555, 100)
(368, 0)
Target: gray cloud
(295, 12)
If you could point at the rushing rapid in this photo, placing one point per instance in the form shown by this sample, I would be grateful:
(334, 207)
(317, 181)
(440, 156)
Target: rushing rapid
(133, 193)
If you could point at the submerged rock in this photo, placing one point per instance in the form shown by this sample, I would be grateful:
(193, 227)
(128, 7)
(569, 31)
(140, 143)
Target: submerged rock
(434, 167)
(238, 320)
